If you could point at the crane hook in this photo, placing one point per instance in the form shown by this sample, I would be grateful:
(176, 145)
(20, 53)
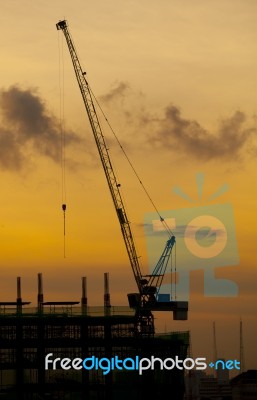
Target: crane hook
(64, 209)
(64, 227)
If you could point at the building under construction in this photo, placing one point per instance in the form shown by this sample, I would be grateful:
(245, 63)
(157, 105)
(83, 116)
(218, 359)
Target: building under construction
(76, 334)
(68, 329)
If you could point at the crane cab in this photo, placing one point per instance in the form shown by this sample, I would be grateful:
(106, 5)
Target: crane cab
(179, 308)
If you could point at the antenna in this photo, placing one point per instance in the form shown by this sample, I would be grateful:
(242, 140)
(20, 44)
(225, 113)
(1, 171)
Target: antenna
(242, 360)
(215, 352)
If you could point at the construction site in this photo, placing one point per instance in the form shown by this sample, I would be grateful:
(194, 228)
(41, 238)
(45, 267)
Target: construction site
(71, 330)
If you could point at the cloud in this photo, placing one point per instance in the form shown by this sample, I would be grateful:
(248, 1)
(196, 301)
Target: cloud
(10, 154)
(233, 139)
(26, 123)
(117, 92)
(178, 133)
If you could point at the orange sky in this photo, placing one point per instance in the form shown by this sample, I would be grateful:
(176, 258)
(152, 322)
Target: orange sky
(178, 83)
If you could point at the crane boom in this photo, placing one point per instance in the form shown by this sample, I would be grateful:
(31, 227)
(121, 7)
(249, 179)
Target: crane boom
(146, 300)
(104, 155)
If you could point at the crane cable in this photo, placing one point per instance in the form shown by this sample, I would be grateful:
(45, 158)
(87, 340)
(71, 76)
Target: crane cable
(166, 227)
(164, 223)
(63, 144)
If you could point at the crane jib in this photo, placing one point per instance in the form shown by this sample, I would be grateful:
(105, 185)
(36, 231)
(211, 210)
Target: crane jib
(121, 216)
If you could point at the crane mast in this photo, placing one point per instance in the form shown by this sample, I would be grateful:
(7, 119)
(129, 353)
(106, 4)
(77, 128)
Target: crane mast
(145, 300)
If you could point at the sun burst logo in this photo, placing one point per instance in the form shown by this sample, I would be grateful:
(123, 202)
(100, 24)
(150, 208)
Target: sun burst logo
(206, 240)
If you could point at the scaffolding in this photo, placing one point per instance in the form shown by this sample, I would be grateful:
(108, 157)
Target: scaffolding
(67, 330)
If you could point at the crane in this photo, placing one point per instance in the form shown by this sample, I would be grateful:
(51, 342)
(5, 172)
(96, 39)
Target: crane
(145, 301)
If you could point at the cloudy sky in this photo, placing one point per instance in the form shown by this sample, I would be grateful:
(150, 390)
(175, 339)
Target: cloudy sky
(177, 82)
